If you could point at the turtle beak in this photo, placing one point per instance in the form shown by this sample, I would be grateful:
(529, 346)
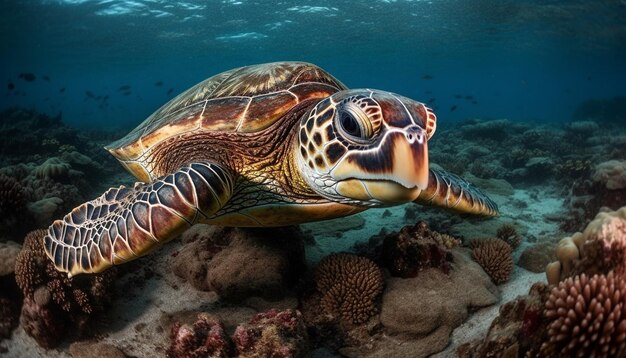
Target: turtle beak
(410, 158)
(402, 157)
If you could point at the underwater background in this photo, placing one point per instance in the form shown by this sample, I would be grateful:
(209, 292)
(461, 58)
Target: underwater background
(530, 98)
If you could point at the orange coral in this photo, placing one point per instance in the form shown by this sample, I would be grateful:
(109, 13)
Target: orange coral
(587, 317)
(495, 257)
(350, 286)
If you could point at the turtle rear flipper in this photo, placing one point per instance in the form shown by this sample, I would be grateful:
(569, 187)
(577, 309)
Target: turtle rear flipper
(455, 193)
(124, 224)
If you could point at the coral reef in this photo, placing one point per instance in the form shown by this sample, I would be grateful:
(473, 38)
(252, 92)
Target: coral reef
(277, 334)
(495, 257)
(612, 174)
(587, 317)
(448, 299)
(350, 287)
(204, 338)
(518, 329)
(52, 168)
(237, 263)
(415, 248)
(12, 206)
(509, 234)
(49, 293)
(600, 248)
(10, 298)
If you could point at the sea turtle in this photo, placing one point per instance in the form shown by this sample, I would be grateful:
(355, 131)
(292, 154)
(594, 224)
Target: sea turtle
(265, 145)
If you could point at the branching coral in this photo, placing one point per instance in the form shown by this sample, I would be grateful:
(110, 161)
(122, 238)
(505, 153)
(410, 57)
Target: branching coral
(495, 257)
(587, 317)
(277, 334)
(415, 248)
(600, 248)
(509, 234)
(350, 286)
(205, 338)
(50, 289)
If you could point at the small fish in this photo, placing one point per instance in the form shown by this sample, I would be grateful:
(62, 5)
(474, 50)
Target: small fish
(474, 102)
(453, 108)
(124, 88)
(47, 99)
(62, 89)
(588, 78)
(126, 93)
(428, 92)
(427, 77)
(10, 86)
(159, 83)
(431, 100)
(169, 91)
(46, 78)
(89, 94)
(458, 96)
(469, 97)
(27, 76)
(105, 97)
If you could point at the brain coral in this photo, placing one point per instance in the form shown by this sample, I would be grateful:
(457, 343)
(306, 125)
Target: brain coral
(495, 257)
(52, 168)
(350, 286)
(587, 317)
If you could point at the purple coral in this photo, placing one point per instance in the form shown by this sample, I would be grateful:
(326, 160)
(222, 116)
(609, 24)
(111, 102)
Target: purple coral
(415, 248)
(274, 333)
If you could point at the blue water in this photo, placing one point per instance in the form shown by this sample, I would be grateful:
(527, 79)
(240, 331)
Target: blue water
(522, 60)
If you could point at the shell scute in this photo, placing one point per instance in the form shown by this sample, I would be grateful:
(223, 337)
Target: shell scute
(246, 99)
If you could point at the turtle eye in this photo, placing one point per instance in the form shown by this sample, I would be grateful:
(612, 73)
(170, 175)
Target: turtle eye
(354, 124)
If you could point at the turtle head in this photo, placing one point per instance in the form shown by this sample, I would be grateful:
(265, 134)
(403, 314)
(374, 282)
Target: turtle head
(366, 147)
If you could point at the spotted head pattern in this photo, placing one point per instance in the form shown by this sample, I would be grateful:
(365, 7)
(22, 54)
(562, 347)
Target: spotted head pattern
(366, 147)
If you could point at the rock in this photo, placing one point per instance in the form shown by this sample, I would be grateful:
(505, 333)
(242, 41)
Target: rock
(491, 186)
(237, 263)
(419, 314)
(8, 254)
(44, 210)
(536, 257)
(91, 349)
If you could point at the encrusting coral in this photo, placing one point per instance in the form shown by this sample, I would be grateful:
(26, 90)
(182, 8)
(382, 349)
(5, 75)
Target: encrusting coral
(49, 292)
(277, 334)
(205, 338)
(600, 248)
(495, 257)
(350, 286)
(415, 248)
(587, 317)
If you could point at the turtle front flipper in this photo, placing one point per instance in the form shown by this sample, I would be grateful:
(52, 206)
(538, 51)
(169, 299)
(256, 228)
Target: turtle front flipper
(126, 223)
(455, 193)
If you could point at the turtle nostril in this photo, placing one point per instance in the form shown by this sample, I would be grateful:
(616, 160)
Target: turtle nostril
(410, 137)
